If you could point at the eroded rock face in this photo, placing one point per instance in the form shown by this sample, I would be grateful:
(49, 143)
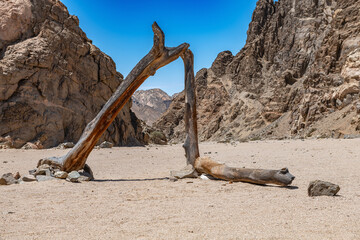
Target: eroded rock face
(53, 80)
(297, 76)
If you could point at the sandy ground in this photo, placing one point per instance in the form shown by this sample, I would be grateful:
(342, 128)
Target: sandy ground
(132, 199)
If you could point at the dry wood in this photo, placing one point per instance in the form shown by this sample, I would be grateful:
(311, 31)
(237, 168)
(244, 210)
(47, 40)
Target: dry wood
(191, 141)
(158, 57)
(190, 145)
(280, 177)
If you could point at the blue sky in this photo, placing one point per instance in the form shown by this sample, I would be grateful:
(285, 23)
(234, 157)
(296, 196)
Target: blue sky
(122, 29)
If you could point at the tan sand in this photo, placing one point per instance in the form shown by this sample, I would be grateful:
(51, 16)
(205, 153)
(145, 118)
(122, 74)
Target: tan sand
(132, 200)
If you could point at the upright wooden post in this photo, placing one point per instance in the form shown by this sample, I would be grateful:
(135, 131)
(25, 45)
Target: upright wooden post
(191, 145)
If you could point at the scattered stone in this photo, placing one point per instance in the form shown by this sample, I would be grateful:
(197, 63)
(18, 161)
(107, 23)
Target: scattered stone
(7, 179)
(73, 176)
(42, 178)
(44, 166)
(66, 145)
(61, 174)
(357, 107)
(29, 145)
(322, 188)
(106, 144)
(33, 171)
(351, 136)
(43, 169)
(42, 172)
(17, 176)
(5, 161)
(29, 178)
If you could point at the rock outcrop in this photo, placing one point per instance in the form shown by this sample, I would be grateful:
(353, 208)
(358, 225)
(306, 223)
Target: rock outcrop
(297, 76)
(53, 80)
(149, 105)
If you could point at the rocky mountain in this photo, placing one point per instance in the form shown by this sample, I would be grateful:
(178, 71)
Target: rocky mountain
(149, 105)
(297, 76)
(53, 80)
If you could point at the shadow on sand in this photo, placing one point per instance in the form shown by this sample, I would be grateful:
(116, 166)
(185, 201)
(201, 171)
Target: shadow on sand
(166, 178)
(130, 180)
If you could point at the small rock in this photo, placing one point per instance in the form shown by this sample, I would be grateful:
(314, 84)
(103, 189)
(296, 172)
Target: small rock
(29, 178)
(42, 172)
(106, 144)
(322, 188)
(7, 179)
(73, 176)
(44, 166)
(29, 145)
(33, 171)
(17, 176)
(358, 107)
(42, 178)
(61, 174)
(66, 145)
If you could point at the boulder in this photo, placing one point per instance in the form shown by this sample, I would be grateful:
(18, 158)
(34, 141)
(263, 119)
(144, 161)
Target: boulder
(53, 80)
(322, 188)
(7, 179)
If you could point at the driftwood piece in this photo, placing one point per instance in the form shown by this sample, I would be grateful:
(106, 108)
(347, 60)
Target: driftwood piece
(191, 141)
(280, 177)
(158, 57)
(190, 145)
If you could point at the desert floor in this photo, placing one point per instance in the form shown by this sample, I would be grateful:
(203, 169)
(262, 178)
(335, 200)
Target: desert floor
(133, 199)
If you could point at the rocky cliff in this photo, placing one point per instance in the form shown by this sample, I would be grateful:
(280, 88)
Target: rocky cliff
(149, 105)
(297, 76)
(53, 80)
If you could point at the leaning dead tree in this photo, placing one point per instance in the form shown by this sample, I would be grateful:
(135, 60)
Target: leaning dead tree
(158, 57)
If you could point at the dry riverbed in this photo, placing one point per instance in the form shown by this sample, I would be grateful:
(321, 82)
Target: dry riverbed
(133, 199)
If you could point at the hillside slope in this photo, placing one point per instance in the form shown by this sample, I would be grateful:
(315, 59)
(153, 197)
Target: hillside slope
(149, 105)
(297, 76)
(53, 80)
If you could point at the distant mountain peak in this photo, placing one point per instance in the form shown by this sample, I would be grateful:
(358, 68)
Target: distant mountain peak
(150, 104)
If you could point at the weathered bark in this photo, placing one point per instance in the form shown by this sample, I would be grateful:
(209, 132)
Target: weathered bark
(191, 142)
(158, 57)
(190, 145)
(280, 177)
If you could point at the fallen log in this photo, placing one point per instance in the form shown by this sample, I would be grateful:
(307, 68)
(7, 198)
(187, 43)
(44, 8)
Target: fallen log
(217, 170)
(158, 57)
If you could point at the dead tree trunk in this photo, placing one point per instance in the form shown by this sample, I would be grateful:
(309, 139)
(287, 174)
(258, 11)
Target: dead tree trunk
(280, 177)
(158, 57)
(190, 145)
(191, 141)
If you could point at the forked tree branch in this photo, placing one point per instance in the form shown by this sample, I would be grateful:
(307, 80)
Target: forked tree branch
(158, 57)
